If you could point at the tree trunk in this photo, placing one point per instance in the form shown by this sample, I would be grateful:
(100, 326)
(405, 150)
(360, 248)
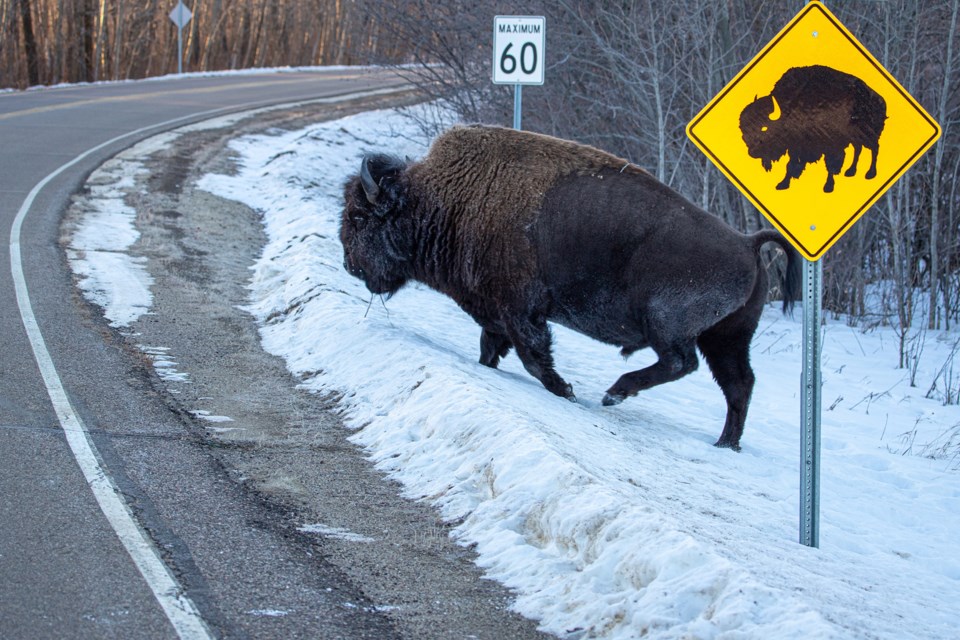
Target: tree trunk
(87, 21)
(938, 153)
(29, 44)
(118, 36)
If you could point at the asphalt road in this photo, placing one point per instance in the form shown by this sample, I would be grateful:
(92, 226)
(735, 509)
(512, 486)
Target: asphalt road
(224, 561)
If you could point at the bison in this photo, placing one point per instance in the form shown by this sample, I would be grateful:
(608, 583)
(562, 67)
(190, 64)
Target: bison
(521, 229)
(815, 112)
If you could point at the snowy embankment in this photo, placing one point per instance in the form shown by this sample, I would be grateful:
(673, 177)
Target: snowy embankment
(617, 522)
(620, 522)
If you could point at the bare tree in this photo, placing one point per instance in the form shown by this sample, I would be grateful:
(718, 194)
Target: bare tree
(29, 43)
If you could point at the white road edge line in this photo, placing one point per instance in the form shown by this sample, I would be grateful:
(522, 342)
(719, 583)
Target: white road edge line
(179, 609)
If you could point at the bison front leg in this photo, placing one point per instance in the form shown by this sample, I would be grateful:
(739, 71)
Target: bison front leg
(532, 340)
(795, 167)
(493, 347)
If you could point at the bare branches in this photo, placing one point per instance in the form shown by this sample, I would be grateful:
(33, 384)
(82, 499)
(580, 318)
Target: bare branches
(628, 76)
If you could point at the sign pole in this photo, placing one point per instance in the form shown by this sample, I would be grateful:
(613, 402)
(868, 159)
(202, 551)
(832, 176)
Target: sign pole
(517, 105)
(810, 411)
(180, 39)
(811, 405)
(518, 55)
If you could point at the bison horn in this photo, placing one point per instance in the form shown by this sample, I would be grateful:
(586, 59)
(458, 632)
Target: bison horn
(370, 186)
(775, 114)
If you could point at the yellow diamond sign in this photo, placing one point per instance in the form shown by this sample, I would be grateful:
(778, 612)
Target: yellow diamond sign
(813, 130)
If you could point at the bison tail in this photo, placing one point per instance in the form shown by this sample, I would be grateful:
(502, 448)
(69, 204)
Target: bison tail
(792, 283)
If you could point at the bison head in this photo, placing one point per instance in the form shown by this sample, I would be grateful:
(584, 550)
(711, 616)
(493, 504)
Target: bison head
(759, 124)
(374, 231)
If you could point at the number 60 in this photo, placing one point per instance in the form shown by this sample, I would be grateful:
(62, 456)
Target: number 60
(508, 63)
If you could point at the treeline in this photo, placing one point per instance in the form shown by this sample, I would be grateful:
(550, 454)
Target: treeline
(628, 76)
(54, 41)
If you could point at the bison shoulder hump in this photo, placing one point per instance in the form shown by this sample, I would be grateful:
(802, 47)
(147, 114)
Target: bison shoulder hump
(505, 170)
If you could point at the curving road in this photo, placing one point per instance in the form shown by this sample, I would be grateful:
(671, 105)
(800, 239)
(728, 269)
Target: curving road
(84, 551)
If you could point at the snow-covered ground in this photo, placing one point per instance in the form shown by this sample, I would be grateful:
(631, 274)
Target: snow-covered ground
(620, 522)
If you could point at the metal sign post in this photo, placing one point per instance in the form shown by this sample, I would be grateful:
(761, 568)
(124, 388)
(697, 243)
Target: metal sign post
(518, 54)
(517, 105)
(180, 16)
(810, 406)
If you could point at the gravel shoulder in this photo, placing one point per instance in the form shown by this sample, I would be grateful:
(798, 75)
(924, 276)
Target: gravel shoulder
(280, 451)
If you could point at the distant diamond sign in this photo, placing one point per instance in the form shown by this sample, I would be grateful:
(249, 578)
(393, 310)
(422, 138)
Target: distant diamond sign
(813, 130)
(180, 15)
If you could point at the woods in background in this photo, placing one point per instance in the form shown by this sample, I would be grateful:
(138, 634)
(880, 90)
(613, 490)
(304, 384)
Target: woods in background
(54, 41)
(623, 75)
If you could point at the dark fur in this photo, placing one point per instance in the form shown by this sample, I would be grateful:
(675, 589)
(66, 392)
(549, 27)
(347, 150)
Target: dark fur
(822, 112)
(520, 228)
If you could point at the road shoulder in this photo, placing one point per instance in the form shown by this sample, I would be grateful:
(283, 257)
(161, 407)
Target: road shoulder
(280, 450)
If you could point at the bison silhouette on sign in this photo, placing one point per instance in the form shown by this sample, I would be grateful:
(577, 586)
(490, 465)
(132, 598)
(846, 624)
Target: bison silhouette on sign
(815, 112)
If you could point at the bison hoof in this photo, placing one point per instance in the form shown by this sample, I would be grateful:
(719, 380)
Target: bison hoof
(562, 389)
(726, 444)
(610, 400)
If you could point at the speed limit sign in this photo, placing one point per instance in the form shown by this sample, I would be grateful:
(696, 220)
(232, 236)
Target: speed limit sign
(518, 43)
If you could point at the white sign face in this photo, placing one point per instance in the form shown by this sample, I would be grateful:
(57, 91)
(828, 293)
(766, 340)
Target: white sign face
(180, 15)
(518, 49)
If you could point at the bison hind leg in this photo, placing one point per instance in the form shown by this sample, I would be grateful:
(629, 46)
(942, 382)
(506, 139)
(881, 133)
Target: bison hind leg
(674, 362)
(728, 357)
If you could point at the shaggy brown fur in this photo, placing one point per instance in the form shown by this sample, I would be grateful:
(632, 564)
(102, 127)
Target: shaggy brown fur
(493, 173)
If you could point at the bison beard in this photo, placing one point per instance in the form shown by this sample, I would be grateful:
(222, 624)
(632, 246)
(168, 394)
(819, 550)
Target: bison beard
(521, 229)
